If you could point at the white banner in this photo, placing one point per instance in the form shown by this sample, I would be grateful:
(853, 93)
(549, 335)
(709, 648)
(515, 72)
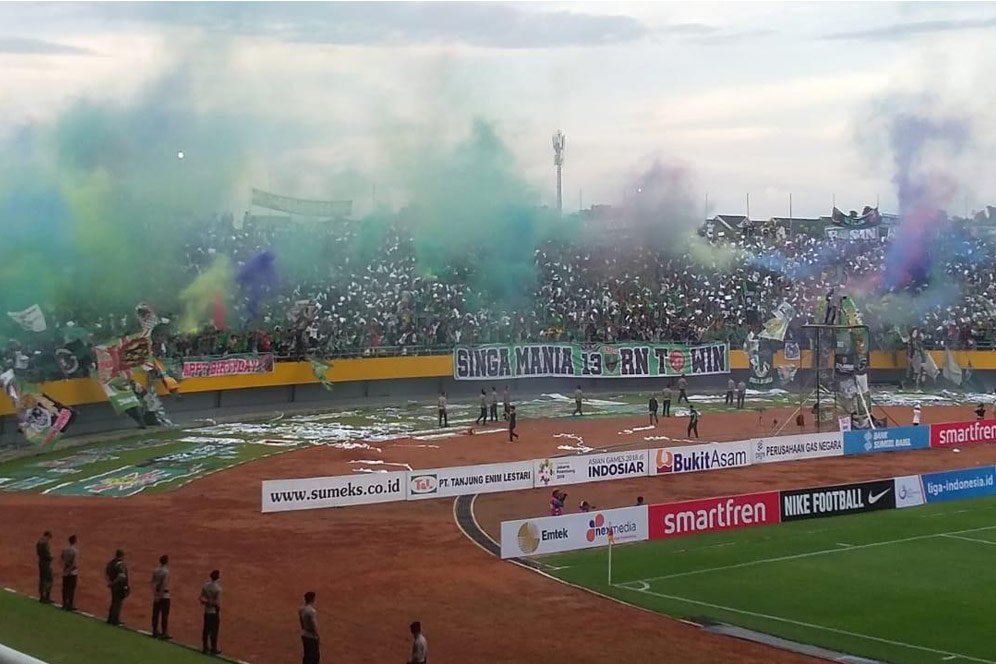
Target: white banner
(318, 492)
(590, 468)
(586, 530)
(802, 446)
(467, 480)
(31, 319)
(697, 458)
(909, 491)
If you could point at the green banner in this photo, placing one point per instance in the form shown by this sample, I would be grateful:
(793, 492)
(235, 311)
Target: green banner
(120, 394)
(627, 360)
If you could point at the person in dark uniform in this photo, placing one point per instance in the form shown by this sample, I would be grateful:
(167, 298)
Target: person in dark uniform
(483, 417)
(308, 617)
(666, 401)
(741, 393)
(117, 580)
(506, 401)
(70, 558)
(161, 600)
(730, 386)
(980, 412)
(578, 398)
(494, 404)
(511, 424)
(653, 410)
(44, 568)
(693, 422)
(211, 601)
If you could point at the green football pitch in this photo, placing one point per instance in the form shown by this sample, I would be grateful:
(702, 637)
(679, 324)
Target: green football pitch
(912, 586)
(58, 637)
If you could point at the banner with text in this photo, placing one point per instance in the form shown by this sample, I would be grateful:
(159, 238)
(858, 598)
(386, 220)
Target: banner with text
(956, 484)
(797, 447)
(494, 362)
(319, 492)
(799, 504)
(894, 439)
(708, 515)
(586, 530)
(696, 458)
(233, 365)
(467, 480)
(558, 471)
(950, 434)
(909, 491)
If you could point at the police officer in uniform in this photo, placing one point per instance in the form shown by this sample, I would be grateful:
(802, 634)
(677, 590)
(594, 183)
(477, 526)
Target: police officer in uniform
(117, 581)
(44, 568)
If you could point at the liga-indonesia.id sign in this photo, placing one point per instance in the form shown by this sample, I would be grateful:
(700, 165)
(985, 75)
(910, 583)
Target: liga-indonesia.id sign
(467, 480)
(500, 361)
(228, 366)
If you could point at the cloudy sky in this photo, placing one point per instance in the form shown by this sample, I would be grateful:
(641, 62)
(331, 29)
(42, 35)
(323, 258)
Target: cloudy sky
(761, 98)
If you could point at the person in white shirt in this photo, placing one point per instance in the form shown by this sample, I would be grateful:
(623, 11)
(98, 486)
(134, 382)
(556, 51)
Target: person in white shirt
(916, 414)
(443, 420)
(420, 649)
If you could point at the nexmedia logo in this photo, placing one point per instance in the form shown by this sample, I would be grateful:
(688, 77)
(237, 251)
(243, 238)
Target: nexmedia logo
(685, 462)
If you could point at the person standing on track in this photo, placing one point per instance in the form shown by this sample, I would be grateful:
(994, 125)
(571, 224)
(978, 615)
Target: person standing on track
(441, 402)
(420, 649)
(980, 412)
(511, 424)
(682, 386)
(666, 400)
(557, 502)
(160, 600)
(211, 601)
(483, 417)
(730, 386)
(916, 414)
(494, 404)
(693, 422)
(70, 558)
(308, 617)
(653, 410)
(117, 580)
(741, 393)
(578, 398)
(506, 401)
(44, 568)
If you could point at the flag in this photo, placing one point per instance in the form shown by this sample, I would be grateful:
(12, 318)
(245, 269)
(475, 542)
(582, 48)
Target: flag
(120, 394)
(850, 311)
(31, 319)
(40, 418)
(951, 370)
(321, 369)
(775, 328)
(147, 318)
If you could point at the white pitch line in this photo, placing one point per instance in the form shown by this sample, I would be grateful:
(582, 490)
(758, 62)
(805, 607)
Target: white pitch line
(970, 539)
(799, 623)
(822, 552)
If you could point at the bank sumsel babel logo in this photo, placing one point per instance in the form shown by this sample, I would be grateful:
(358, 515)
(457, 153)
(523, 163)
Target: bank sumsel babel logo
(528, 537)
(868, 441)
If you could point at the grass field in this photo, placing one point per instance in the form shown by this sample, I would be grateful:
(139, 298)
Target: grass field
(913, 586)
(58, 637)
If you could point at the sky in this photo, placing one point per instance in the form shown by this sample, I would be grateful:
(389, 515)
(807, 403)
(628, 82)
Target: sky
(761, 99)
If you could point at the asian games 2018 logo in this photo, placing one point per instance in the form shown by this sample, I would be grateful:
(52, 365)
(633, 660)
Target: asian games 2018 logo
(545, 472)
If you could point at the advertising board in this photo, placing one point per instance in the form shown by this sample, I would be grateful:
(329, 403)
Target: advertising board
(557, 471)
(819, 502)
(894, 439)
(950, 434)
(708, 515)
(697, 458)
(467, 480)
(795, 448)
(909, 491)
(586, 530)
(318, 492)
(957, 484)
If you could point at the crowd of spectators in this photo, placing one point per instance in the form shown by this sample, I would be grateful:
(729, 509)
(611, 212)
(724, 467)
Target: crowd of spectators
(368, 294)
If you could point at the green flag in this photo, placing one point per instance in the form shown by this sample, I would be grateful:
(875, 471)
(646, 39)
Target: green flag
(321, 369)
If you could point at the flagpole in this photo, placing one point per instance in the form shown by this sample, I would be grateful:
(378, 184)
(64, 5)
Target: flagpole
(611, 538)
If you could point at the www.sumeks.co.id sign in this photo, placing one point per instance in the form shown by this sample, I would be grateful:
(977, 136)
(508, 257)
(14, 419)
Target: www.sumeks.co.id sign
(588, 360)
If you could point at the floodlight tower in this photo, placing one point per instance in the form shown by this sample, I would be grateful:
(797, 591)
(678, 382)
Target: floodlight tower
(558, 160)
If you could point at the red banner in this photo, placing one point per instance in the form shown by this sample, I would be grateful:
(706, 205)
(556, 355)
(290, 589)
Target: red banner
(950, 434)
(228, 366)
(122, 355)
(710, 515)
